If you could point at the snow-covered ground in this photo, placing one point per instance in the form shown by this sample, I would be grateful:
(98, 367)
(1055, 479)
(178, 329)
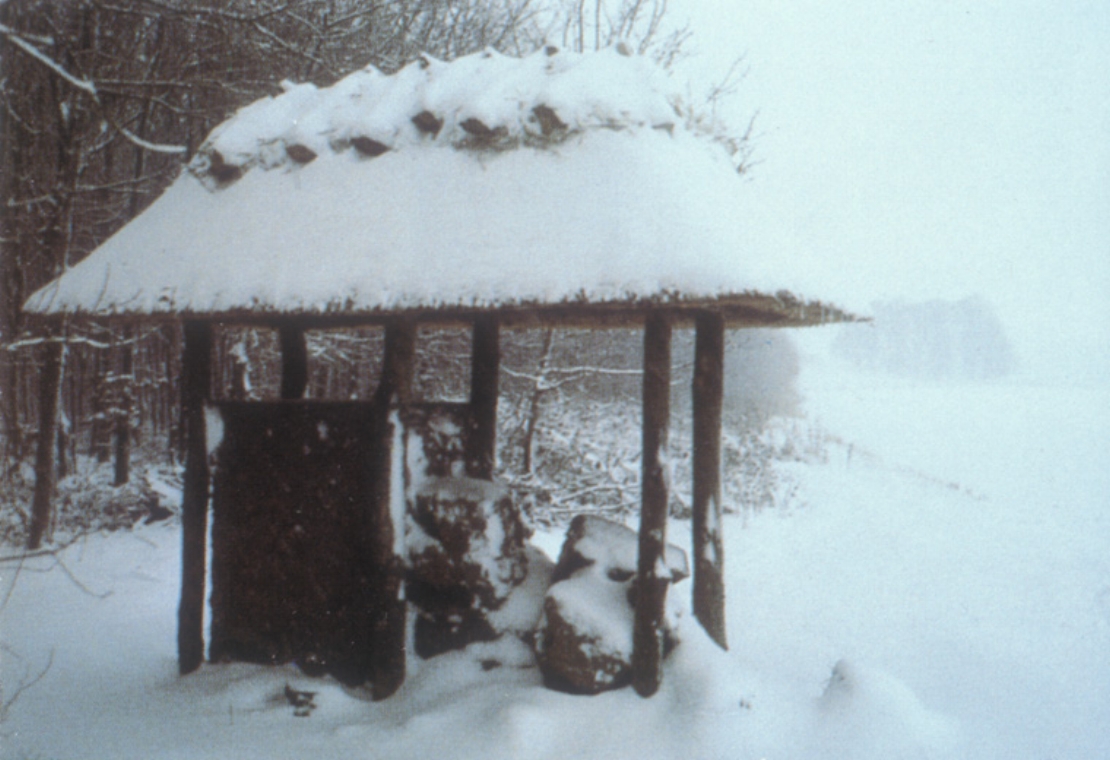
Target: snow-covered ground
(941, 589)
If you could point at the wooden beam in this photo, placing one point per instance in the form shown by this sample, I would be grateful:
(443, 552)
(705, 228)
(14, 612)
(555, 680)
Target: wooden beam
(196, 375)
(708, 391)
(651, 585)
(294, 361)
(484, 371)
(387, 603)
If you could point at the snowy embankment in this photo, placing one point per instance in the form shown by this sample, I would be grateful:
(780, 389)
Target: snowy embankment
(941, 591)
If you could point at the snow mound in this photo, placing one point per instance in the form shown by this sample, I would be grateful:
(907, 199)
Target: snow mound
(880, 716)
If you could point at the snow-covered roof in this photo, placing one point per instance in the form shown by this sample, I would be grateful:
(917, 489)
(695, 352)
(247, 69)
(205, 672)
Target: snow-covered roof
(553, 182)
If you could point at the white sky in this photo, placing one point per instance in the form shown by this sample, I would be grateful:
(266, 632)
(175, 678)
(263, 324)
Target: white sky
(939, 149)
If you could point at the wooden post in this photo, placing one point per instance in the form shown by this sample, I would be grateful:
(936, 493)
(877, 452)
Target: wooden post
(485, 366)
(294, 361)
(651, 585)
(708, 389)
(387, 572)
(196, 374)
(50, 386)
(398, 361)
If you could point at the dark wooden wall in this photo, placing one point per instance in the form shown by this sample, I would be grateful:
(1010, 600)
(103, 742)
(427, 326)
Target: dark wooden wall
(291, 571)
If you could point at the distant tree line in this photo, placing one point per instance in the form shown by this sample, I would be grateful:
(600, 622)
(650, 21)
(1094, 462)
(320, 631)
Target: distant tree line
(938, 340)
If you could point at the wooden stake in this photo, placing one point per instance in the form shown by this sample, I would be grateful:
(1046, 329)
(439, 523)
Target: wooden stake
(485, 367)
(294, 361)
(708, 390)
(387, 633)
(651, 585)
(196, 375)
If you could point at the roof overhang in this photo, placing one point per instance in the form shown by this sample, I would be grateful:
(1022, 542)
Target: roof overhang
(595, 225)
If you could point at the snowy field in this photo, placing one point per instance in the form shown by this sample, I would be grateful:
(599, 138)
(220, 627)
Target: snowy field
(939, 588)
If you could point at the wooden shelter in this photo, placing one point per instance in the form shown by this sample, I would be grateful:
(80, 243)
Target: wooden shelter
(491, 192)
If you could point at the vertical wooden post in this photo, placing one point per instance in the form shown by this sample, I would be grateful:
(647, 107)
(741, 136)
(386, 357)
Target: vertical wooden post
(196, 375)
(651, 585)
(398, 361)
(386, 567)
(485, 366)
(50, 387)
(708, 390)
(294, 361)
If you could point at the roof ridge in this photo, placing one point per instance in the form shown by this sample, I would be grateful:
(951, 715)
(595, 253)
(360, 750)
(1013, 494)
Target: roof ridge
(486, 101)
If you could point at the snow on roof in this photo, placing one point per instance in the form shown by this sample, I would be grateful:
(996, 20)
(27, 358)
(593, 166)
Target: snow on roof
(486, 182)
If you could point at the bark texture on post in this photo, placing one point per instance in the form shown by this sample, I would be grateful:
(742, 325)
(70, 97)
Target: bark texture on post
(485, 367)
(651, 587)
(386, 566)
(50, 385)
(708, 390)
(294, 362)
(196, 374)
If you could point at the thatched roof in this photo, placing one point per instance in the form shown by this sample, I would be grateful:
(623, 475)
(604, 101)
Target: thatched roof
(561, 185)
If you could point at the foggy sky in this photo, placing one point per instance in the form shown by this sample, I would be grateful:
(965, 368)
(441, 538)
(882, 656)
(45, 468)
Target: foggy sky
(938, 150)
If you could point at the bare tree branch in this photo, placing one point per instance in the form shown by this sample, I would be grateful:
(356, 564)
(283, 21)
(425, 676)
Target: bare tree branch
(88, 87)
(25, 684)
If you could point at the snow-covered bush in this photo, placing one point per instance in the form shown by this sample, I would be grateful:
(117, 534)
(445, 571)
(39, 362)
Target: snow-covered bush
(582, 392)
(87, 501)
(588, 461)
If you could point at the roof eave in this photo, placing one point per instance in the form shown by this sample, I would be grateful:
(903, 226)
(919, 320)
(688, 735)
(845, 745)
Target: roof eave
(738, 311)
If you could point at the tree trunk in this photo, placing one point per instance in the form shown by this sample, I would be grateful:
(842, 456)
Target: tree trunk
(63, 440)
(123, 413)
(709, 558)
(538, 392)
(651, 587)
(50, 385)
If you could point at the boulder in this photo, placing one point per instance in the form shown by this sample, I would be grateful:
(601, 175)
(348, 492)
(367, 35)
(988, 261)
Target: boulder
(466, 551)
(583, 642)
(612, 548)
